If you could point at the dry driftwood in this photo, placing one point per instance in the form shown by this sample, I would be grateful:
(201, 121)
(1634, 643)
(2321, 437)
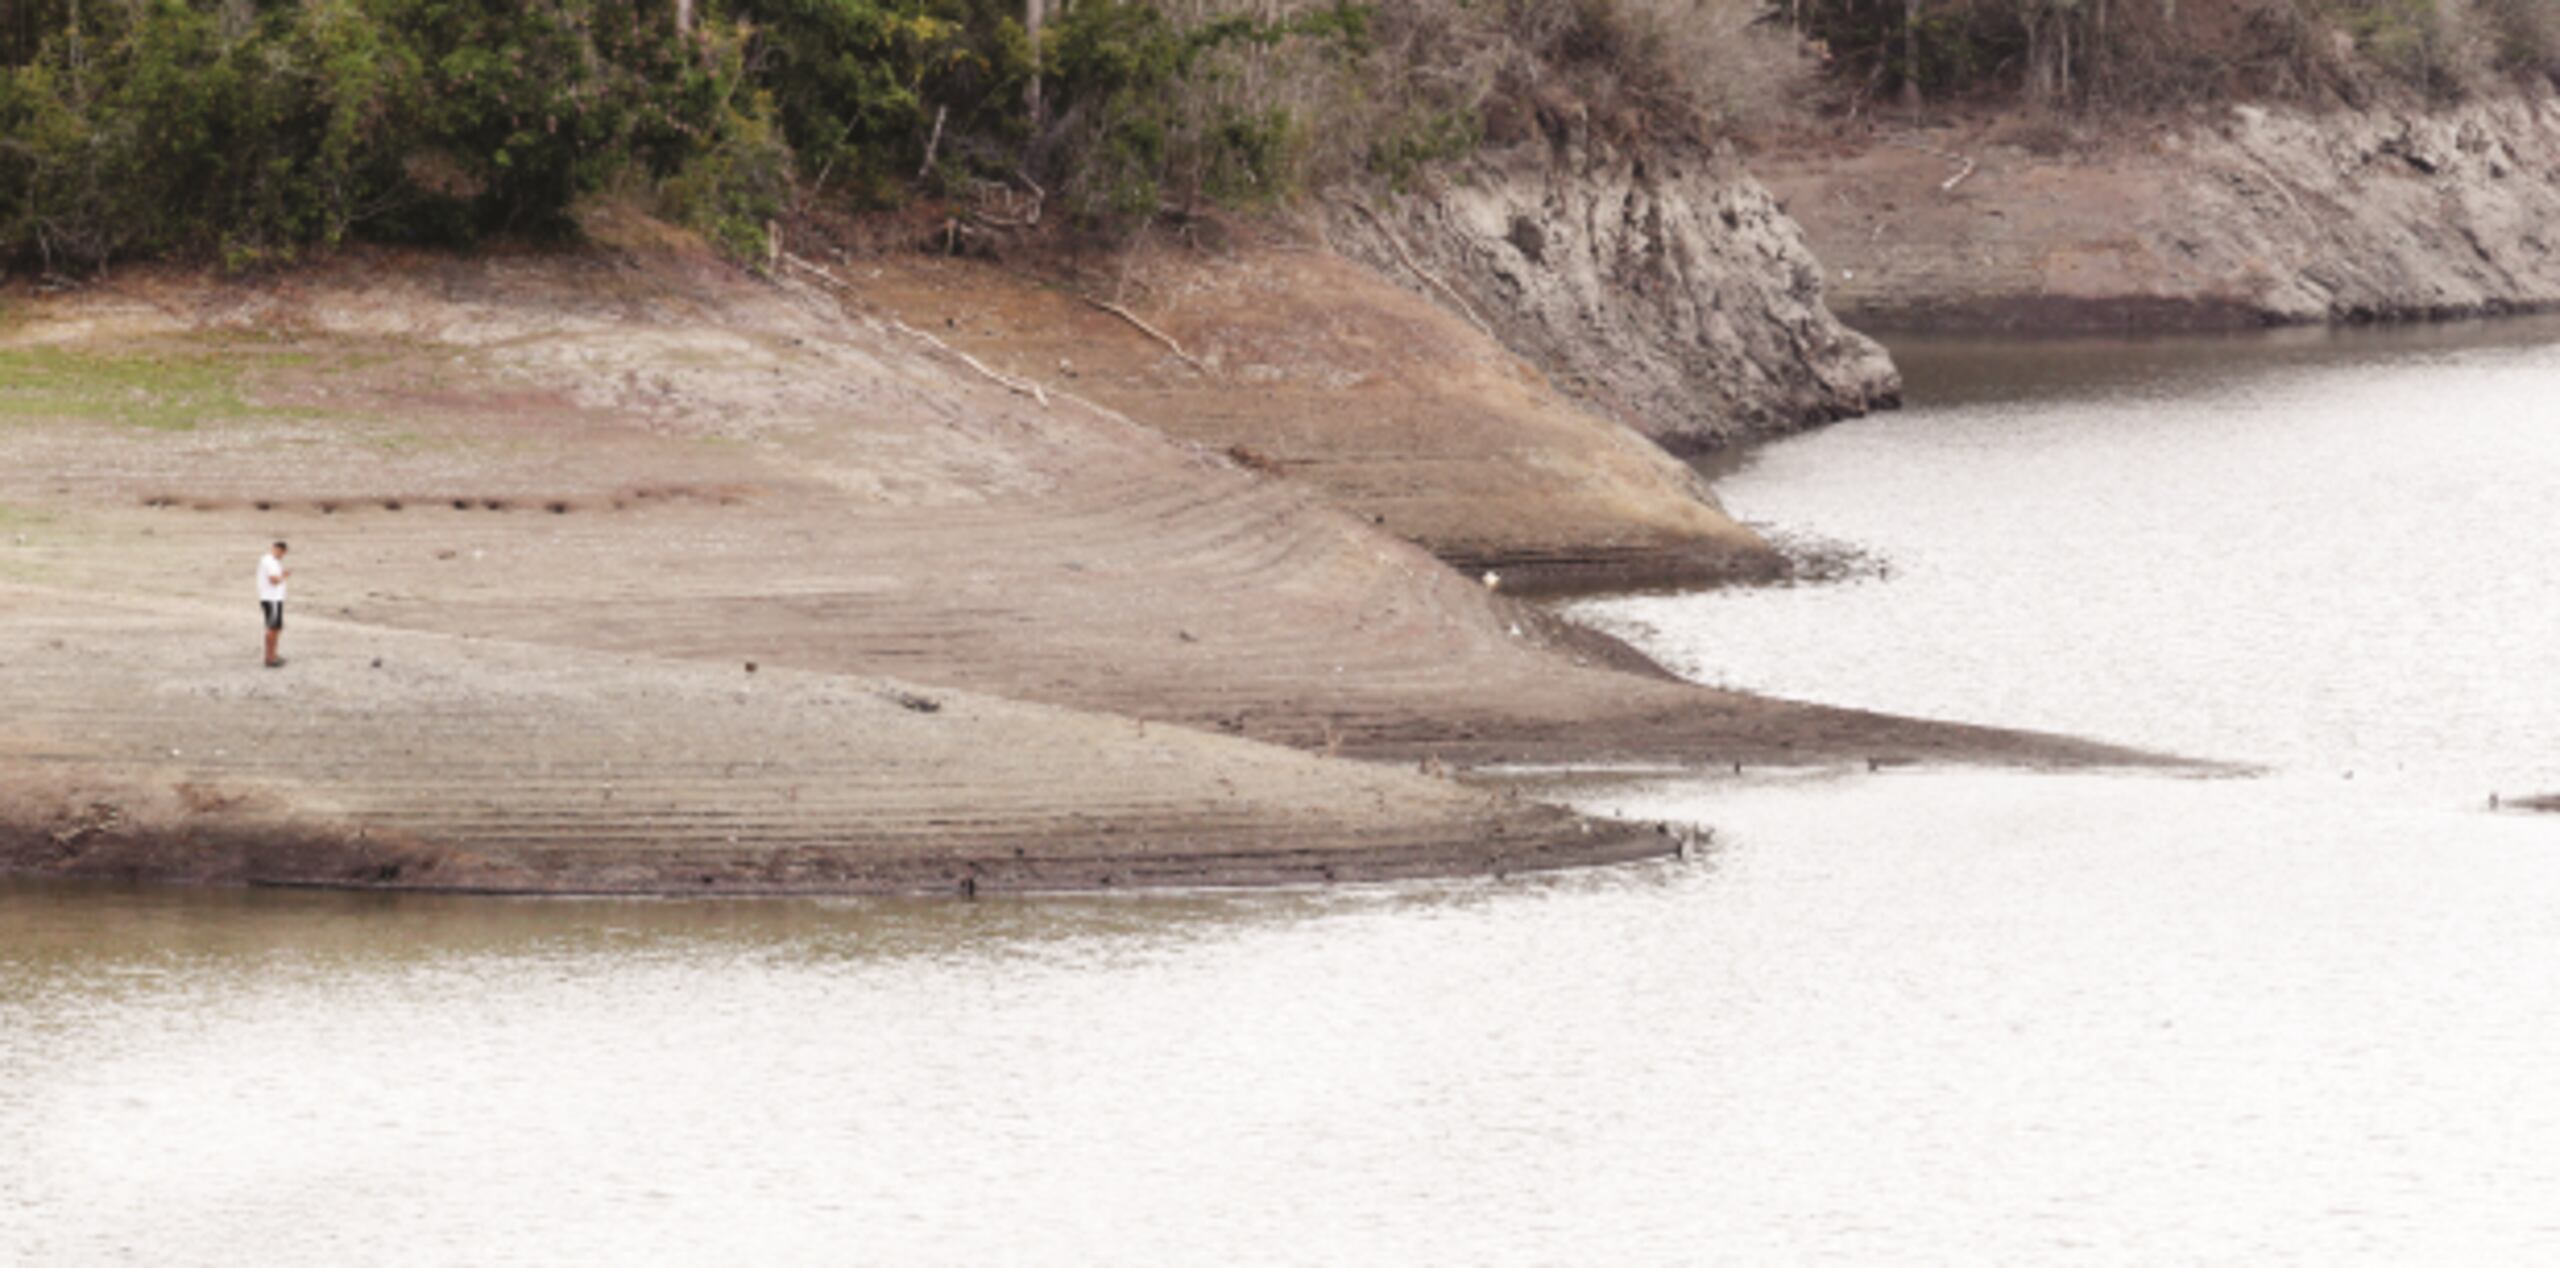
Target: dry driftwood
(1964, 162)
(1020, 387)
(1464, 309)
(1149, 331)
(939, 114)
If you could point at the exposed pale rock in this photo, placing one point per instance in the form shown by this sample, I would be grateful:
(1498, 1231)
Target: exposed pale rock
(1670, 291)
(2247, 216)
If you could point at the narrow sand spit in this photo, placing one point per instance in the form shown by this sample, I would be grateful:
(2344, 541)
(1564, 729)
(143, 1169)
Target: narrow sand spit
(383, 757)
(568, 500)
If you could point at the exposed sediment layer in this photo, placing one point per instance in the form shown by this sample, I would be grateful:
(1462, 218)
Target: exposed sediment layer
(137, 746)
(1668, 290)
(2241, 216)
(567, 501)
(1311, 367)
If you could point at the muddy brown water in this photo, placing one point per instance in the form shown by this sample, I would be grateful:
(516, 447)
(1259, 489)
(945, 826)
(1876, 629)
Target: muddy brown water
(1908, 1017)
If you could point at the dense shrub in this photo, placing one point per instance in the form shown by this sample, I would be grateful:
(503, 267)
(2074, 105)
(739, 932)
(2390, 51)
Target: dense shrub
(857, 84)
(1321, 93)
(2525, 36)
(1150, 107)
(254, 130)
(251, 130)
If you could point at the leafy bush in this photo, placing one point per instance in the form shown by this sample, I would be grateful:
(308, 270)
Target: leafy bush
(2525, 35)
(856, 84)
(732, 168)
(253, 131)
(1156, 102)
(2412, 39)
(1642, 72)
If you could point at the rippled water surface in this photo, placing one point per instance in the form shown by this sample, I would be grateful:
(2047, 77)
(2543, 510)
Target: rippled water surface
(2307, 1017)
(2338, 553)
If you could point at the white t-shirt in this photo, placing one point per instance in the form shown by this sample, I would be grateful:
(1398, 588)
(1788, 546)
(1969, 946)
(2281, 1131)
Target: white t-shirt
(270, 579)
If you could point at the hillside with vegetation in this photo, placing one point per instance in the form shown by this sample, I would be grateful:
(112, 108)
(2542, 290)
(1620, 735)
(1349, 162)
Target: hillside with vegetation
(1102, 555)
(2108, 166)
(1580, 178)
(256, 130)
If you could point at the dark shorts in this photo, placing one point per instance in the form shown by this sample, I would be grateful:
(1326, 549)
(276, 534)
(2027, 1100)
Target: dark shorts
(274, 610)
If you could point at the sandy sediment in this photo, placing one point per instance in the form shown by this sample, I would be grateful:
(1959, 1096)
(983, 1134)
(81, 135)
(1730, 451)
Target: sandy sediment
(2241, 216)
(566, 500)
(139, 746)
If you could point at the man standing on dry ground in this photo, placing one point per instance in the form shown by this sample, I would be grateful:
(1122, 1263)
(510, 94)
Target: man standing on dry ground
(271, 578)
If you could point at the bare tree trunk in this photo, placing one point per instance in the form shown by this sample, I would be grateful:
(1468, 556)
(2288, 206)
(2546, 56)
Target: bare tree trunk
(684, 17)
(2097, 46)
(2062, 30)
(2040, 60)
(78, 56)
(1911, 55)
(2049, 52)
(1034, 13)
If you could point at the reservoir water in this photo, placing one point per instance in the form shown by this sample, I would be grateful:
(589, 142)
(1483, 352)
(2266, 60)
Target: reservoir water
(2309, 1014)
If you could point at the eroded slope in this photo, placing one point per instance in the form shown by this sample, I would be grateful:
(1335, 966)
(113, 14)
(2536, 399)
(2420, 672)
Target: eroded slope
(567, 500)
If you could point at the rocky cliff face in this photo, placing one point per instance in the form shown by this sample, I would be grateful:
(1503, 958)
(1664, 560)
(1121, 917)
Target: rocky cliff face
(1668, 290)
(2246, 216)
(2386, 214)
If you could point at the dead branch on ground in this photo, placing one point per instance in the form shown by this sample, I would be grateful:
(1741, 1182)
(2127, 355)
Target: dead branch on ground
(1464, 309)
(1149, 331)
(1020, 387)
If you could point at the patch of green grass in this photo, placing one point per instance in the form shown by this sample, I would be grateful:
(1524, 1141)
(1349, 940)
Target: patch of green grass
(19, 516)
(170, 391)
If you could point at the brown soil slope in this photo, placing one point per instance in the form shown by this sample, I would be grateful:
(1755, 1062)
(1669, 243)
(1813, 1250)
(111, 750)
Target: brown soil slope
(1303, 363)
(567, 499)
